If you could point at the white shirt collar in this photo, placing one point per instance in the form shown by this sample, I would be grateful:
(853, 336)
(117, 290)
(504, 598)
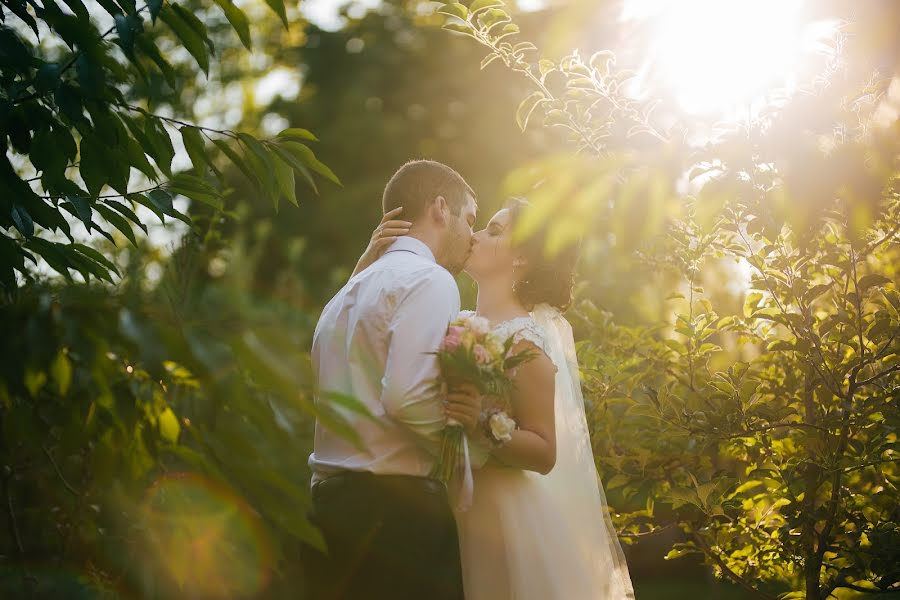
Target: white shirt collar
(411, 244)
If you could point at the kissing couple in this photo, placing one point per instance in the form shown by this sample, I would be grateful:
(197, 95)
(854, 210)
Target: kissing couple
(537, 527)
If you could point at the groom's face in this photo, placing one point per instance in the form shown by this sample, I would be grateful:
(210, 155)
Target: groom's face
(459, 236)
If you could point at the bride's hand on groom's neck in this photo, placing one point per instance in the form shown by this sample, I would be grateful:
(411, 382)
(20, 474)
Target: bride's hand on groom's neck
(388, 230)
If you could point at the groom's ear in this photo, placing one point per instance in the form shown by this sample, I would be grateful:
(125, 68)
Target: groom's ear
(439, 210)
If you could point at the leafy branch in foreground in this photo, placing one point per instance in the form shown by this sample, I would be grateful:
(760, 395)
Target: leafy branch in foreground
(591, 103)
(69, 133)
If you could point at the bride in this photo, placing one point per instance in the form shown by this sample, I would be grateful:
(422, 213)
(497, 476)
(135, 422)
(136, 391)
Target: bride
(538, 525)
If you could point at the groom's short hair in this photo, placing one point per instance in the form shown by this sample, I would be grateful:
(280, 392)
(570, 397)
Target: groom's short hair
(418, 182)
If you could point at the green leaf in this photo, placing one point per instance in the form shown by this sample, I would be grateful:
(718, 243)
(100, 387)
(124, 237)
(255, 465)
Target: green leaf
(306, 156)
(50, 253)
(125, 33)
(22, 220)
(751, 302)
(194, 23)
(238, 21)
(298, 133)
(34, 381)
(454, 9)
(236, 160)
(196, 189)
(872, 280)
(138, 159)
(93, 166)
(463, 28)
(148, 47)
(97, 257)
(193, 143)
(117, 221)
(127, 213)
(285, 176)
(489, 59)
(278, 7)
(145, 201)
(479, 5)
(161, 144)
(155, 6)
(193, 41)
(526, 107)
(83, 209)
(169, 428)
(61, 371)
(91, 76)
(261, 162)
(296, 165)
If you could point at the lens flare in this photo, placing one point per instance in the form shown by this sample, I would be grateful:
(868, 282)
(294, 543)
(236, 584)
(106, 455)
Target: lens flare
(720, 55)
(205, 539)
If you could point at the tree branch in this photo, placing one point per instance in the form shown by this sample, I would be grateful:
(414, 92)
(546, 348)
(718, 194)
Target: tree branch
(727, 570)
(59, 473)
(878, 376)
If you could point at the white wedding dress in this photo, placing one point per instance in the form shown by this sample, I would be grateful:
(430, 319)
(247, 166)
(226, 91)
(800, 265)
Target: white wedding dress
(528, 536)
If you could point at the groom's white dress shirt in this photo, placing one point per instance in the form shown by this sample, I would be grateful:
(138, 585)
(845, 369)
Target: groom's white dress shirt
(372, 343)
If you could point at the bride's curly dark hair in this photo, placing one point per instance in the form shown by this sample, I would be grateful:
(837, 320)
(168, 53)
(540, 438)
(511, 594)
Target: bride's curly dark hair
(547, 279)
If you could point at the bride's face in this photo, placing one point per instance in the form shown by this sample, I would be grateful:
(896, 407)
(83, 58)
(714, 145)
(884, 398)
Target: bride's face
(493, 254)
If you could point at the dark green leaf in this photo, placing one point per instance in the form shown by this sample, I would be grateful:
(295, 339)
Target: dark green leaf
(117, 221)
(193, 143)
(278, 7)
(193, 41)
(235, 158)
(127, 213)
(96, 256)
(22, 220)
(148, 47)
(873, 279)
(83, 209)
(94, 166)
(155, 6)
(238, 20)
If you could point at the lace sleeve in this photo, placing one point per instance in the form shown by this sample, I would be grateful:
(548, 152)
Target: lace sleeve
(534, 333)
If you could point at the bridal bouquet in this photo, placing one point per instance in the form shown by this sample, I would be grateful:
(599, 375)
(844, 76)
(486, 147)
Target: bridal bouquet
(471, 354)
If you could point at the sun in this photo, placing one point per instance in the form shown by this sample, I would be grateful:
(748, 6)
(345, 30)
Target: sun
(720, 56)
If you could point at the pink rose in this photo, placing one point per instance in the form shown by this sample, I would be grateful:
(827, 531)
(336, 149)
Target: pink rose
(482, 356)
(451, 341)
(455, 330)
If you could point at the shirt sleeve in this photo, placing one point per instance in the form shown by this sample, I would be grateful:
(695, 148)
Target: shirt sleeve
(417, 328)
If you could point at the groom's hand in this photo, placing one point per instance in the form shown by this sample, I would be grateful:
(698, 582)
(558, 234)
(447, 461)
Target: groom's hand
(464, 405)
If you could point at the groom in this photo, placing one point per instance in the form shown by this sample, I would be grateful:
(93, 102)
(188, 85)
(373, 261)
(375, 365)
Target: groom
(389, 528)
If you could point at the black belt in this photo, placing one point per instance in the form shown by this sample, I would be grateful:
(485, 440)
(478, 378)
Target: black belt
(351, 481)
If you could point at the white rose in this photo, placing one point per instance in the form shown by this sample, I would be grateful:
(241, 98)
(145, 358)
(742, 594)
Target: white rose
(502, 426)
(479, 325)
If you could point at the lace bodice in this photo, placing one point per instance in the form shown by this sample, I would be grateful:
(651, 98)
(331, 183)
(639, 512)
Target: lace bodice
(520, 328)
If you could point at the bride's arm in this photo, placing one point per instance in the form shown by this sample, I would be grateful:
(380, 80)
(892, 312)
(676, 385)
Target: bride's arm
(533, 444)
(384, 235)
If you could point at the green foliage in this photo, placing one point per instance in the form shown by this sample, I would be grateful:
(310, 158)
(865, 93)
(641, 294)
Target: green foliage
(765, 429)
(108, 400)
(68, 132)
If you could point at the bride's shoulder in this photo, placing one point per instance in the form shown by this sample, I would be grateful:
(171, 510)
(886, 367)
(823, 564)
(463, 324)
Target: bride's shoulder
(525, 329)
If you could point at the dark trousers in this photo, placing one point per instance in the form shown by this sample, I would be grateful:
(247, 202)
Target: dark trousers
(388, 536)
